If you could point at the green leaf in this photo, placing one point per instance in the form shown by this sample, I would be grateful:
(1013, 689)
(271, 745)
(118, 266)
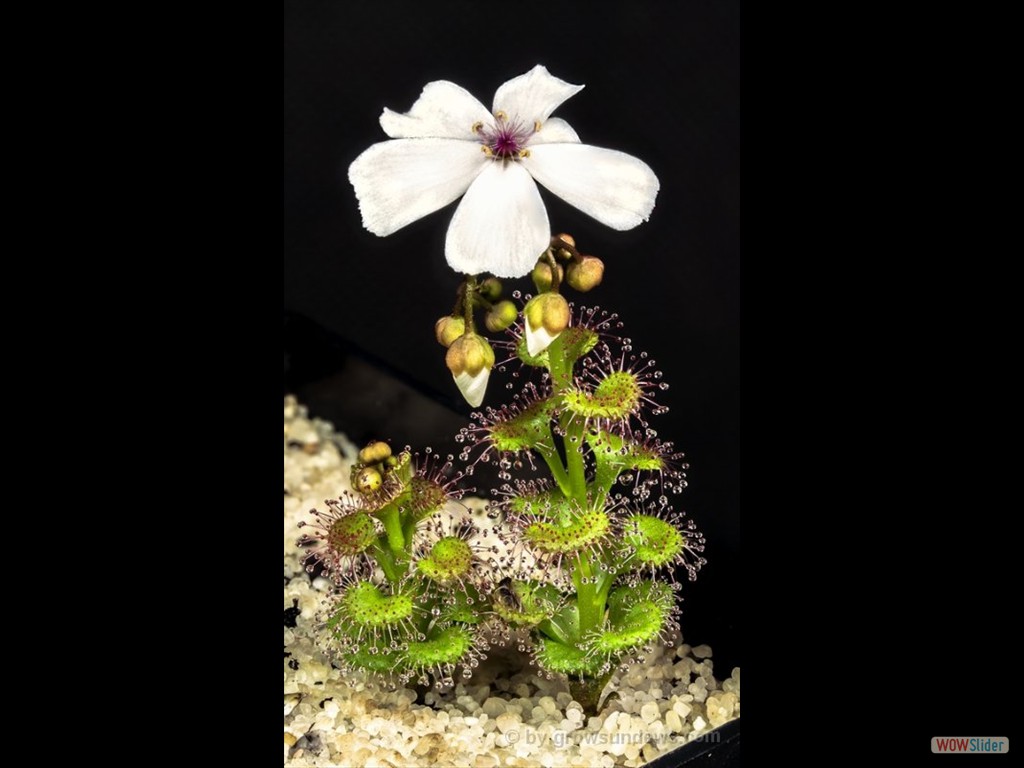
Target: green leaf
(567, 659)
(584, 530)
(364, 605)
(614, 454)
(537, 361)
(636, 616)
(527, 429)
(577, 341)
(446, 646)
(449, 559)
(525, 603)
(657, 542)
(382, 663)
(615, 397)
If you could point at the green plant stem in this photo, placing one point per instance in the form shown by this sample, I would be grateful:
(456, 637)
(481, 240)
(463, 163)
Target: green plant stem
(589, 600)
(574, 457)
(560, 368)
(588, 691)
(386, 561)
(592, 596)
(561, 375)
(549, 259)
(550, 456)
(468, 297)
(392, 528)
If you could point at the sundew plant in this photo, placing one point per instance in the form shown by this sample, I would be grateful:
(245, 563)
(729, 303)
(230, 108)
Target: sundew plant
(581, 566)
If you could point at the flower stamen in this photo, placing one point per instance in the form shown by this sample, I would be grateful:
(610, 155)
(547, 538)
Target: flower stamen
(506, 139)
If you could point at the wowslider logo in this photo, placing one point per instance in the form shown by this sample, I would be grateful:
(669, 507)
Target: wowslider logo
(978, 745)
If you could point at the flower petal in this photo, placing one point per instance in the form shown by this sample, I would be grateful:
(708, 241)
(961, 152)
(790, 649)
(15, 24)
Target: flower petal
(473, 387)
(533, 96)
(500, 226)
(538, 339)
(555, 131)
(400, 181)
(615, 188)
(444, 110)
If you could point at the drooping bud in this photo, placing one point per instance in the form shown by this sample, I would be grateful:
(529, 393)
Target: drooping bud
(501, 316)
(490, 289)
(560, 252)
(448, 329)
(542, 275)
(585, 273)
(374, 452)
(470, 359)
(368, 480)
(547, 315)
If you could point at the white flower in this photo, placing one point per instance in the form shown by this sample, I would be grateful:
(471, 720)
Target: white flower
(449, 145)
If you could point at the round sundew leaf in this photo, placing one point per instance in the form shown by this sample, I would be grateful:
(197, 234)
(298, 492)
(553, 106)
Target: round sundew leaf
(525, 430)
(567, 659)
(656, 541)
(450, 558)
(577, 341)
(550, 505)
(582, 532)
(640, 625)
(364, 605)
(382, 662)
(446, 646)
(615, 397)
(624, 453)
(423, 498)
(352, 534)
(537, 361)
(461, 610)
(636, 616)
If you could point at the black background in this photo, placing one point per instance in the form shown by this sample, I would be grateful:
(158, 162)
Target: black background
(662, 83)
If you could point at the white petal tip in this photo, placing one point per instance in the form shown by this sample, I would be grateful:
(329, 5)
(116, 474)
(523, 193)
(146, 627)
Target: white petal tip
(537, 340)
(473, 387)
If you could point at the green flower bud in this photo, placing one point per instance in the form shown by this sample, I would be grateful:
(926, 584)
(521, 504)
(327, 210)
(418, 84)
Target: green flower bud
(542, 275)
(501, 316)
(374, 452)
(470, 359)
(547, 315)
(564, 254)
(490, 289)
(448, 329)
(585, 273)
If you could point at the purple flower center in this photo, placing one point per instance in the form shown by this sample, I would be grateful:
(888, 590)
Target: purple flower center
(505, 139)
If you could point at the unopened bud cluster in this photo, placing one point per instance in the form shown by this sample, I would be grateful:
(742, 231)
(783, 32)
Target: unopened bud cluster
(470, 356)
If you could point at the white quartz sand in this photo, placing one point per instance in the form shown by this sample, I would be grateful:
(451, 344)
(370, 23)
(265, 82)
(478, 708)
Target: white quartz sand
(492, 719)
